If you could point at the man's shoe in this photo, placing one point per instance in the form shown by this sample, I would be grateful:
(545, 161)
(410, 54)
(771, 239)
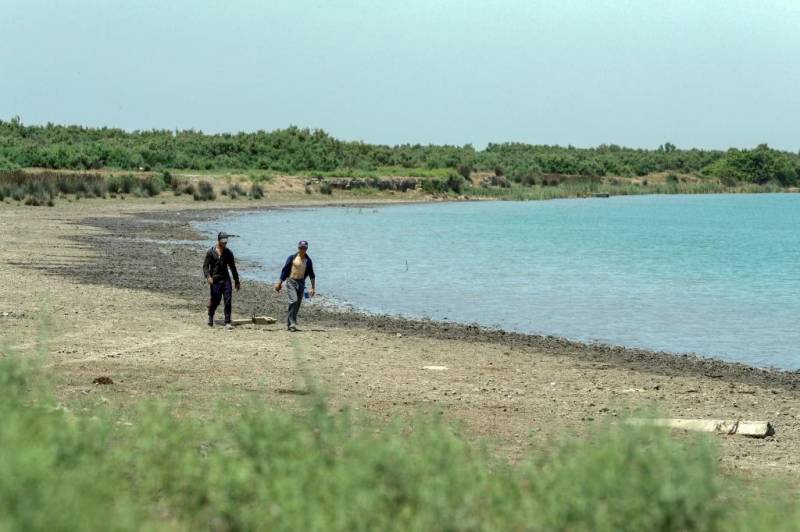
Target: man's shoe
(292, 328)
(228, 327)
(210, 322)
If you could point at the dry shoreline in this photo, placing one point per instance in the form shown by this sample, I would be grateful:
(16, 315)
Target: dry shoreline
(127, 301)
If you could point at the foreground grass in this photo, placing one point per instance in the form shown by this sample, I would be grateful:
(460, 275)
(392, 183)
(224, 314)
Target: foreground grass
(256, 468)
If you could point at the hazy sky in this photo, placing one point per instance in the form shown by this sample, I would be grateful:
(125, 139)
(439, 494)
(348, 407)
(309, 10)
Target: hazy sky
(698, 73)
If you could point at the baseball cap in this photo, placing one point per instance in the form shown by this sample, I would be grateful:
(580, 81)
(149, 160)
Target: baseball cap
(302, 244)
(223, 236)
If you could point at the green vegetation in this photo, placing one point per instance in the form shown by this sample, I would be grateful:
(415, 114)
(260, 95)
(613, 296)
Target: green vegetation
(314, 152)
(503, 171)
(256, 191)
(43, 187)
(234, 191)
(584, 189)
(204, 192)
(255, 468)
(759, 166)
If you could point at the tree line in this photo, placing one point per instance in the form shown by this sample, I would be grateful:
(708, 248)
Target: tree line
(296, 149)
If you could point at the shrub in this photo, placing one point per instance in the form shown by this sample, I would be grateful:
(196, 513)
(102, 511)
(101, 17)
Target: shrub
(7, 166)
(234, 191)
(204, 192)
(256, 468)
(151, 186)
(761, 166)
(672, 179)
(433, 186)
(122, 184)
(498, 171)
(326, 188)
(455, 182)
(38, 193)
(496, 181)
(17, 193)
(89, 185)
(256, 191)
(464, 171)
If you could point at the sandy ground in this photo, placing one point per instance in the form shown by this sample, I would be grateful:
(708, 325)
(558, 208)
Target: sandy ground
(123, 302)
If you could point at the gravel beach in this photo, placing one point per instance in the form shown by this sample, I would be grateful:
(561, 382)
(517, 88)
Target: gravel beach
(121, 284)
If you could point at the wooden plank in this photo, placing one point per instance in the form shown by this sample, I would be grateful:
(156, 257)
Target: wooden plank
(255, 320)
(755, 429)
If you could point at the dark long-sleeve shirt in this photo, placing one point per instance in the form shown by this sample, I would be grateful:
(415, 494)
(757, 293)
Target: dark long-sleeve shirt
(287, 268)
(216, 266)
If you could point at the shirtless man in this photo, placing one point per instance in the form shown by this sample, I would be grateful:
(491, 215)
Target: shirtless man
(297, 267)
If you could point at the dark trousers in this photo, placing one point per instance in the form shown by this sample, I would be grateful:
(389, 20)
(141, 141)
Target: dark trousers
(219, 290)
(294, 291)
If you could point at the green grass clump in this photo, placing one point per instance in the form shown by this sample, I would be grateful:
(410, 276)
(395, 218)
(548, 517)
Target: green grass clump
(257, 468)
(454, 183)
(256, 191)
(150, 186)
(204, 191)
(122, 184)
(39, 194)
(234, 191)
(41, 187)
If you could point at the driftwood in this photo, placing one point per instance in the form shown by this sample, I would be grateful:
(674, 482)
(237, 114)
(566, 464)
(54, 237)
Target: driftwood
(255, 320)
(754, 429)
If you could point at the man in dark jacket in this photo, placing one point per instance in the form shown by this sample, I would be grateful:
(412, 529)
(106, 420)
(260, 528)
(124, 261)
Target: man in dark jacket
(297, 267)
(215, 268)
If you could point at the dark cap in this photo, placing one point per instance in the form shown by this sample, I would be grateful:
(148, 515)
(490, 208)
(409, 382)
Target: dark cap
(303, 244)
(222, 235)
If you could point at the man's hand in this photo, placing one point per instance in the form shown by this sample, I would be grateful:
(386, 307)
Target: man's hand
(210, 280)
(312, 292)
(278, 286)
(237, 285)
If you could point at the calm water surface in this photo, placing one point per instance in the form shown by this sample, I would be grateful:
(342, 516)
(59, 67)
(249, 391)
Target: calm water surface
(716, 275)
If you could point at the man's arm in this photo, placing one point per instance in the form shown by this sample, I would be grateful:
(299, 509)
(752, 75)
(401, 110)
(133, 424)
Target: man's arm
(207, 267)
(287, 268)
(312, 276)
(234, 272)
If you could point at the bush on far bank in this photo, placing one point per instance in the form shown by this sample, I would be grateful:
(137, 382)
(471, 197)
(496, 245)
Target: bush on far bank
(44, 187)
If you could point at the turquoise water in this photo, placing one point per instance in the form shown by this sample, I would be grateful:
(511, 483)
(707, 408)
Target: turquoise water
(716, 275)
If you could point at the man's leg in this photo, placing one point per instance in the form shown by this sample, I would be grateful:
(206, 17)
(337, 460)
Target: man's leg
(213, 302)
(294, 303)
(227, 293)
(299, 291)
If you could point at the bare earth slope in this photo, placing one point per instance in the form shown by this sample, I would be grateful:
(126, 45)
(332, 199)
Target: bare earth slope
(127, 304)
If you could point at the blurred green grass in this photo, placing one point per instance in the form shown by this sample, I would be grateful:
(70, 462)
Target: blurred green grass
(257, 468)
